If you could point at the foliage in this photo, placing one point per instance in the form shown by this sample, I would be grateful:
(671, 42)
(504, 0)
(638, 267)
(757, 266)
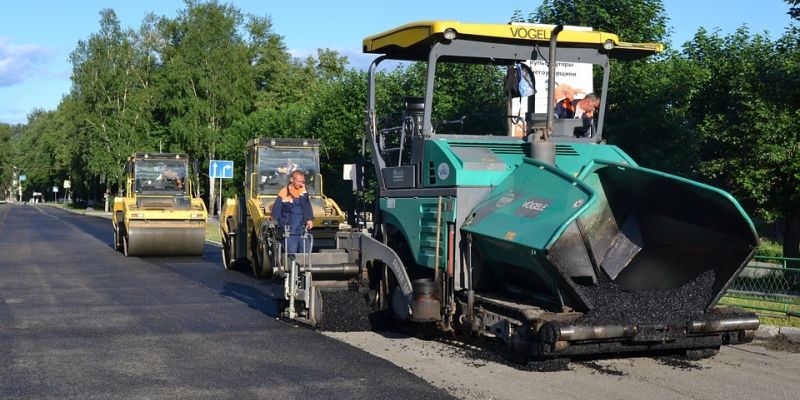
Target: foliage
(6, 164)
(646, 100)
(769, 248)
(748, 135)
(208, 82)
(40, 165)
(113, 105)
(794, 10)
(749, 142)
(632, 20)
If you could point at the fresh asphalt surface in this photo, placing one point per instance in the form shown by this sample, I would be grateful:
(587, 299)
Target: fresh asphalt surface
(79, 320)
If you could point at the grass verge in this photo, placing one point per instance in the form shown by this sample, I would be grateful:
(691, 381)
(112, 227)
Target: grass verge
(212, 231)
(769, 312)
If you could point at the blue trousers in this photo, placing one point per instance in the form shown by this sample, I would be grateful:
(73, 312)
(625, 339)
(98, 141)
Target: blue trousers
(295, 244)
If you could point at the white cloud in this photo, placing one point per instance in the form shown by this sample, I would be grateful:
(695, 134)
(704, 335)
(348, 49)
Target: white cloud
(355, 57)
(19, 62)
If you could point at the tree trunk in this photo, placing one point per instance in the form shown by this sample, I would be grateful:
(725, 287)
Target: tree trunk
(791, 247)
(212, 198)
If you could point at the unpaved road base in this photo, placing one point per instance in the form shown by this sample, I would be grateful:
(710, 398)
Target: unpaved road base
(749, 371)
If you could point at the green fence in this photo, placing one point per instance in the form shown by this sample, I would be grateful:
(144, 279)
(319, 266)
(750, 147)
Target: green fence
(769, 286)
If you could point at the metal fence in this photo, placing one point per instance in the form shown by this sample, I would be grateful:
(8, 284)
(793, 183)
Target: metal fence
(769, 286)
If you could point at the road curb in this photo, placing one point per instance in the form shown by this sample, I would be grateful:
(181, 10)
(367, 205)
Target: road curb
(92, 213)
(767, 331)
(791, 334)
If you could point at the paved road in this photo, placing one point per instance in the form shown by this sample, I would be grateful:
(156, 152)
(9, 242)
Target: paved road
(78, 320)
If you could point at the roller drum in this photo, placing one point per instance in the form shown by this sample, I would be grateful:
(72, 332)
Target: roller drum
(166, 238)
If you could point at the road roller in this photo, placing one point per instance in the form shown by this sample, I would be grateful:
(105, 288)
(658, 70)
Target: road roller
(161, 213)
(248, 235)
(530, 231)
(301, 281)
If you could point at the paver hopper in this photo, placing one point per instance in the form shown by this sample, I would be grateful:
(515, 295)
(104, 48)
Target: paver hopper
(642, 255)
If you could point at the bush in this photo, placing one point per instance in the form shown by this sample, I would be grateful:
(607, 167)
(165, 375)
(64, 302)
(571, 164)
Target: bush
(769, 248)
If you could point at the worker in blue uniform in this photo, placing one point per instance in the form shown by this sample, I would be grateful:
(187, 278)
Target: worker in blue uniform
(292, 210)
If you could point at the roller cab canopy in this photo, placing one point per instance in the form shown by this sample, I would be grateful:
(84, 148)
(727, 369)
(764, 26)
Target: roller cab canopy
(412, 42)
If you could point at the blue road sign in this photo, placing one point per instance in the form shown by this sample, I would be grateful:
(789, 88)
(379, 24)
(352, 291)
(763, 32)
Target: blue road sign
(220, 169)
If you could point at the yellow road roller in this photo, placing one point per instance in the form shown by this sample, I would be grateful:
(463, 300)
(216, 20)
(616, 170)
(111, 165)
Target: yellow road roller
(159, 215)
(245, 226)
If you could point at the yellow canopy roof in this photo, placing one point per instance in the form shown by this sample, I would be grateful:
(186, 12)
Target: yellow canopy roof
(416, 36)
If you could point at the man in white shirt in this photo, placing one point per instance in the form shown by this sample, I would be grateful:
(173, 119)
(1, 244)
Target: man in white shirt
(587, 106)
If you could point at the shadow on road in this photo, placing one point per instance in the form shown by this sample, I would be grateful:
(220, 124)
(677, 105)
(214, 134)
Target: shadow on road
(252, 296)
(96, 226)
(206, 270)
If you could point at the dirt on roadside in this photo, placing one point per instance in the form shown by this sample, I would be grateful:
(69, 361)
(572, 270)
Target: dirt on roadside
(779, 343)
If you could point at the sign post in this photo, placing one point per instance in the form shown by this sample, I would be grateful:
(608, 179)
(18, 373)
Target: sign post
(220, 169)
(55, 194)
(67, 185)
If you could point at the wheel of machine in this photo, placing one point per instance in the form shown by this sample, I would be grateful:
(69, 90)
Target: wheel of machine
(125, 246)
(117, 245)
(118, 229)
(381, 316)
(280, 307)
(262, 259)
(266, 262)
(228, 248)
(226, 255)
(278, 295)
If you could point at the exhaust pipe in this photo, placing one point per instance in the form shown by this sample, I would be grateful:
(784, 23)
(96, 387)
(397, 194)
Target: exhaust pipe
(542, 149)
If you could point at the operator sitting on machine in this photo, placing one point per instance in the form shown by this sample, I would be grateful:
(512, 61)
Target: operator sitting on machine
(292, 209)
(170, 177)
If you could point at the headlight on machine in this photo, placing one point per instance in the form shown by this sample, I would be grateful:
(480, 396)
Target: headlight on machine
(137, 215)
(195, 216)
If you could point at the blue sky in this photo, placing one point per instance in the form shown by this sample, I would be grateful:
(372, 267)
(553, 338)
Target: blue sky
(37, 36)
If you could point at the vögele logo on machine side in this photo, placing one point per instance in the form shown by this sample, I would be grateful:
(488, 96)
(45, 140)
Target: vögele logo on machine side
(522, 32)
(532, 207)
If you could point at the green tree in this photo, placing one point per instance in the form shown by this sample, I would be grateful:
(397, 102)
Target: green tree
(329, 103)
(749, 140)
(794, 10)
(205, 57)
(646, 99)
(6, 162)
(274, 69)
(632, 20)
(111, 88)
(209, 82)
(38, 162)
(517, 16)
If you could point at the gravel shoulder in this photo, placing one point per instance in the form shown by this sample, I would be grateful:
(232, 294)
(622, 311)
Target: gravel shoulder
(744, 371)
